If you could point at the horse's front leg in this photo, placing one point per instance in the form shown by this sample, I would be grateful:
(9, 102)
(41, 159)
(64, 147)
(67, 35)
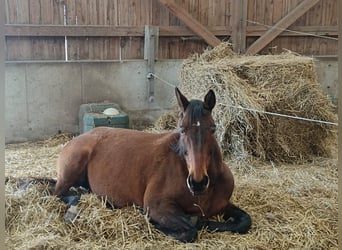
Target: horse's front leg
(235, 220)
(166, 217)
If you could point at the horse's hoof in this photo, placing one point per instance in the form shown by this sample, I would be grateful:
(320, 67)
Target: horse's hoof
(71, 200)
(71, 214)
(187, 237)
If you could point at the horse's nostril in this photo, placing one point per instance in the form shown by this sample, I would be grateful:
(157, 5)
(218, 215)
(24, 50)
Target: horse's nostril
(198, 187)
(205, 180)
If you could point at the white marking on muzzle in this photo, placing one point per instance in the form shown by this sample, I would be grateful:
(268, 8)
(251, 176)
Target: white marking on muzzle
(188, 184)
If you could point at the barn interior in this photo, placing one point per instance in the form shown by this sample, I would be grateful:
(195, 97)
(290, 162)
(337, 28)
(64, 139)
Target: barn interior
(272, 65)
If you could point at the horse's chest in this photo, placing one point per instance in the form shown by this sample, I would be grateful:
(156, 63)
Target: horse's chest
(205, 206)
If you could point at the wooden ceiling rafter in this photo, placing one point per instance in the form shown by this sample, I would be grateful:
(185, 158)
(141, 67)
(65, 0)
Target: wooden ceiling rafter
(280, 26)
(191, 22)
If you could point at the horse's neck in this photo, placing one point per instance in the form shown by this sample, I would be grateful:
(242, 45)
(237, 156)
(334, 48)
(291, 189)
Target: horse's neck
(167, 139)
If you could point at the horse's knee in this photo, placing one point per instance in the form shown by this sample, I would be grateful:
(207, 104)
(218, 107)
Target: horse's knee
(179, 227)
(187, 236)
(61, 188)
(183, 235)
(236, 220)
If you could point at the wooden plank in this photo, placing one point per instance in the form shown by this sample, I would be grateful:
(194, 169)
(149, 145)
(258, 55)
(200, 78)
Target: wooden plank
(46, 7)
(7, 13)
(102, 12)
(146, 12)
(72, 30)
(268, 15)
(137, 9)
(58, 12)
(219, 13)
(193, 9)
(284, 23)
(161, 15)
(71, 11)
(114, 48)
(192, 23)
(277, 10)
(259, 11)
(75, 44)
(34, 10)
(165, 31)
(92, 10)
(132, 48)
(23, 12)
(18, 49)
(82, 12)
(128, 12)
(113, 12)
(332, 14)
(250, 12)
(203, 12)
(315, 30)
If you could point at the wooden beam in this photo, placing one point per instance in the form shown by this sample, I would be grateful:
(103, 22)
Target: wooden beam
(191, 22)
(297, 31)
(138, 31)
(72, 30)
(282, 24)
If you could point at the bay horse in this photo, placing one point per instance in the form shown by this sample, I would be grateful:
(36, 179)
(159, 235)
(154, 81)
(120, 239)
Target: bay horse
(175, 177)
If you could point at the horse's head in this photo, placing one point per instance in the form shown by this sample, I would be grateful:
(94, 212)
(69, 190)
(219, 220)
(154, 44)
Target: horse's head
(197, 142)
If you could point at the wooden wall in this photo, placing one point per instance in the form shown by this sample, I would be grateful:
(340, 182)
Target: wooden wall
(114, 29)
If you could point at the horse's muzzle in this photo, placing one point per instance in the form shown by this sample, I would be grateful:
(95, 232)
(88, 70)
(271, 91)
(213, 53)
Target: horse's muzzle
(197, 188)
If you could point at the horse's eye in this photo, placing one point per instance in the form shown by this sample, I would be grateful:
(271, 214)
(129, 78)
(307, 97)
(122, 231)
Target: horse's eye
(213, 129)
(182, 131)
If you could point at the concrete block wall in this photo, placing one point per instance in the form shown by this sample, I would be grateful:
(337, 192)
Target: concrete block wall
(328, 76)
(43, 99)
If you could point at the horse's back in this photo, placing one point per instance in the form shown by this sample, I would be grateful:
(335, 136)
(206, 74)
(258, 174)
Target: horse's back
(117, 162)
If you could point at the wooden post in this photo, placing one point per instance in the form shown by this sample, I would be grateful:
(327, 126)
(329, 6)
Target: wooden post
(239, 16)
(150, 54)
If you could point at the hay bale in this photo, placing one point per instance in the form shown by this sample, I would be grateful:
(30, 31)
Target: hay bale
(285, 84)
(167, 121)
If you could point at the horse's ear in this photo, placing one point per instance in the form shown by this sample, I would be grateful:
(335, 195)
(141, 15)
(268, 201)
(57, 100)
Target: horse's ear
(210, 100)
(181, 99)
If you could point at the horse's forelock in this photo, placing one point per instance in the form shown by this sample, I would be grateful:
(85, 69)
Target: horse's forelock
(196, 110)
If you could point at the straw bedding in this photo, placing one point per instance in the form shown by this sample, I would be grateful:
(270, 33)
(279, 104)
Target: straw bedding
(292, 206)
(285, 84)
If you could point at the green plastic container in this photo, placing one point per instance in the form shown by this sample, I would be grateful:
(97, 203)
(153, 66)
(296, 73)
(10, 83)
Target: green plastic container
(91, 116)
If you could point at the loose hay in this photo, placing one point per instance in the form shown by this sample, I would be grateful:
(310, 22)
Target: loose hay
(292, 207)
(285, 84)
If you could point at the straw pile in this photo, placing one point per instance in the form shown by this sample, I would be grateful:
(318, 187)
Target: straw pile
(285, 84)
(292, 207)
